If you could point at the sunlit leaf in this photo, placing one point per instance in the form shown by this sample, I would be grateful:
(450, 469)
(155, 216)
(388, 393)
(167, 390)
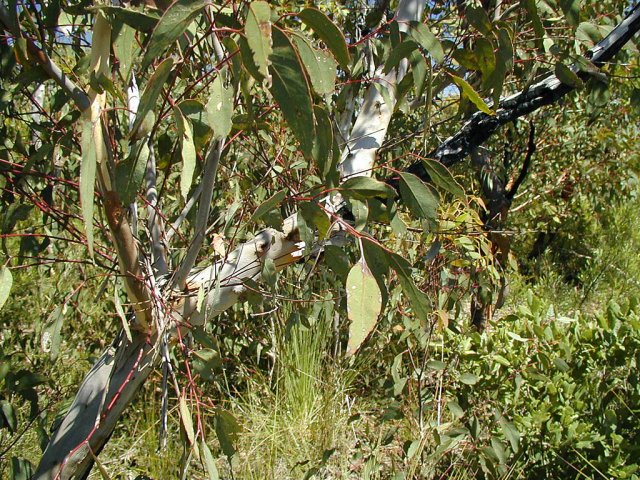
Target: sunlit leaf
(258, 33)
(420, 199)
(6, 280)
(51, 338)
(188, 151)
(567, 76)
(220, 107)
(441, 177)
(367, 187)
(364, 303)
(209, 462)
(319, 64)
(88, 178)
(187, 421)
(472, 95)
(150, 95)
(329, 33)
(427, 40)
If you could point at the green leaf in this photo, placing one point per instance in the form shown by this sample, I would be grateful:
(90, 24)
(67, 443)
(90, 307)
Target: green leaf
(588, 34)
(87, 179)
(227, 430)
(469, 378)
(173, 23)
(442, 177)
(367, 187)
(6, 280)
(137, 19)
(323, 143)
(468, 90)
(455, 409)
(314, 215)
(436, 365)
(268, 205)
(510, 431)
(534, 17)
(427, 40)
(269, 272)
(130, 172)
(220, 107)
(187, 422)
(567, 76)
(9, 414)
(418, 299)
(150, 95)
(51, 338)
(483, 50)
(257, 30)
(403, 50)
(420, 199)
(125, 49)
(478, 18)
(209, 462)
(329, 33)
(571, 9)
(188, 151)
(319, 64)
(364, 302)
(291, 90)
(207, 362)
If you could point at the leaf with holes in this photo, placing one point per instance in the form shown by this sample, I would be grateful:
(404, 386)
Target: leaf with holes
(364, 302)
(319, 64)
(220, 107)
(329, 33)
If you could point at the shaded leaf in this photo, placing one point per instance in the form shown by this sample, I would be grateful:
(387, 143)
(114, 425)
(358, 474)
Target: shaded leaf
(9, 415)
(143, 21)
(314, 215)
(187, 422)
(130, 172)
(227, 430)
(268, 205)
(442, 177)
(150, 95)
(567, 76)
(420, 199)
(510, 431)
(88, 178)
(417, 298)
(323, 143)
(364, 303)
(367, 187)
(209, 462)
(329, 33)
(427, 40)
(403, 50)
(171, 25)
(291, 90)
(319, 64)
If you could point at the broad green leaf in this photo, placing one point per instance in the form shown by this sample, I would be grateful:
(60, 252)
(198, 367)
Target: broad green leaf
(137, 19)
(469, 378)
(314, 215)
(248, 62)
(478, 18)
(472, 95)
(571, 9)
(418, 299)
(427, 40)
(292, 92)
(130, 172)
(367, 187)
(364, 303)
(6, 280)
(51, 338)
(150, 95)
(403, 50)
(227, 430)
(466, 58)
(125, 49)
(220, 107)
(319, 64)
(207, 362)
(269, 272)
(329, 33)
(257, 30)
(420, 199)
(187, 422)
(567, 76)
(455, 409)
(441, 177)
(436, 365)
(510, 431)
(209, 462)
(588, 34)
(483, 50)
(9, 414)
(173, 23)
(188, 151)
(88, 178)
(268, 205)
(323, 143)
(337, 261)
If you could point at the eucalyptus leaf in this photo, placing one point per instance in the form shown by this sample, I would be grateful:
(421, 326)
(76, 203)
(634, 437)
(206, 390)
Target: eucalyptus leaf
(329, 33)
(257, 30)
(364, 303)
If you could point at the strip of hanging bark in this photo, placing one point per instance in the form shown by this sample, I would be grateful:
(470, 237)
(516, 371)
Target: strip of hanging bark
(481, 126)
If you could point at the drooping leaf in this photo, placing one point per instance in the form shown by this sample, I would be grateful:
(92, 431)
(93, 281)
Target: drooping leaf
(567, 76)
(268, 205)
(88, 178)
(314, 215)
(588, 34)
(483, 50)
(420, 199)
(510, 431)
(401, 51)
(125, 49)
(227, 430)
(209, 462)
(427, 40)
(188, 151)
(319, 64)
(419, 301)
(143, 21)
(187, 421)
(469, 378)
(367, 187)
(364, 303)
(441, 177)
(51, 338)
(329, 33)
(323, 143)
(130, 172)
(257, 30)
(571, 10)
(207, 362)
(220, 107)
(472, 95)
(6, 280)
(291, 90)
(150, 95)
(171, 25)
(478, 18)
(9, 415)
(534, 17)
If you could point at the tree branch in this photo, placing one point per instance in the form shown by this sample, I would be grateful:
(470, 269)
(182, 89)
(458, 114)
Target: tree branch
(480, 127)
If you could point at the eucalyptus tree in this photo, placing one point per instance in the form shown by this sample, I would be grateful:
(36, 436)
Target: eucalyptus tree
(284, 133)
